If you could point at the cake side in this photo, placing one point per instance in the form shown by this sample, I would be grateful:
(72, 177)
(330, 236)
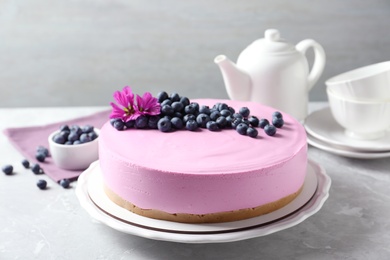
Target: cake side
(218, 217)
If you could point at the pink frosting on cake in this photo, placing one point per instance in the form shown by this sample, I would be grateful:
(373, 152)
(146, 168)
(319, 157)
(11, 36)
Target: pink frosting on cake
(204, 172)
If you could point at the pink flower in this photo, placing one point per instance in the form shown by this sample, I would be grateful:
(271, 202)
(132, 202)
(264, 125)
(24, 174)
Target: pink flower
(125, 108)
(148, 105)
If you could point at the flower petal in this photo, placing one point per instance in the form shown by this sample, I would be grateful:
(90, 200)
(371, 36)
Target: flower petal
(120, 99)
(116, 112)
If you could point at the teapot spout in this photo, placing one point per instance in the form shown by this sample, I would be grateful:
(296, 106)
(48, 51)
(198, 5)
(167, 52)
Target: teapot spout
(237, 82)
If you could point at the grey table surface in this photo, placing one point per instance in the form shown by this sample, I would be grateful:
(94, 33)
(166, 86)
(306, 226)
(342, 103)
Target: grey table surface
(354, 223)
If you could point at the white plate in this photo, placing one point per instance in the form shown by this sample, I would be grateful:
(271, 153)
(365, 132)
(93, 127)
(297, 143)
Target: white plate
(321, 125)
(344, 151)
(202, 233)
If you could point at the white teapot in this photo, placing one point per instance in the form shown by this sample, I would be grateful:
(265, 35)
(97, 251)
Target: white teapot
(273, 72)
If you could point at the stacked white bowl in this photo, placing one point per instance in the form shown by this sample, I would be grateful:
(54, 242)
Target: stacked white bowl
(360, 100)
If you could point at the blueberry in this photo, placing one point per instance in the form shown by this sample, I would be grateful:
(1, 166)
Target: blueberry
(26, 163)
(141, 122)
(177, 106)
(263, 122)
(185, 101)
(216, 106)
(188, 117)
(40, 156)
(162, 96)
(130, 124)
(278, 122)
(270, 130)
(222, 106)
(36, 169)
(254, 121)
(164, 125)
(244, 111)
(175, 97)
(76, 142)
(177, 114)
(202, 120)
(65, 134)
(77, 129)
(64, 128)
(212, 126)
(42, 184)
(241, 128)
(190, 109)
(237, 115)
(277, 114)
(177, 123)
(229, 120)
(196, 105)
(68, 143)
(153, 121)
(93, 135)
(245, 121)
(204, 109)
(7, 169)
(236, 122)
(191, 125)
(87, 129)
(167, 110)
(59, 139)
(214, 115)
(232, 111)
(225, 112)
(221, 122)
(73, 136)
(118, 125)
(84, 138)
(166, 102)
(65, 183)
(252, 132)
(43, 150)
(112, 120)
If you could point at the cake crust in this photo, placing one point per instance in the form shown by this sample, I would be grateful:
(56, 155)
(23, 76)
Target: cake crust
(203, 218)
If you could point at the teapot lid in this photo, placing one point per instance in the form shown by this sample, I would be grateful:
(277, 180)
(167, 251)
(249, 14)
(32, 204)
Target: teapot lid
(273, 43)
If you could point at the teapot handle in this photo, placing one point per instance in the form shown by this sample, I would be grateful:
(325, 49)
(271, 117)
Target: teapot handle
(319, 60)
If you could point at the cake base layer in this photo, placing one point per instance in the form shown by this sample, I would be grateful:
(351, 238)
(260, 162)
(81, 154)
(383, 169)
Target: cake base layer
(204, 218)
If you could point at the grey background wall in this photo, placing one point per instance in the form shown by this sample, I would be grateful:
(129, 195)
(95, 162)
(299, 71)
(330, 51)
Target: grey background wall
(77, 52)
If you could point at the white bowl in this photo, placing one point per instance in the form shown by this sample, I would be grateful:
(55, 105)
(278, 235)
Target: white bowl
(74, 157)
(367, 83)
(361, 119)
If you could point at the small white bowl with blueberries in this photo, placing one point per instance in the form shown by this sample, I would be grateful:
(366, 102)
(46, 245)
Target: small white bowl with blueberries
(74, 147)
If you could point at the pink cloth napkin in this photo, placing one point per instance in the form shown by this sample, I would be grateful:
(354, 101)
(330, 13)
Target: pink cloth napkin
(27, 139)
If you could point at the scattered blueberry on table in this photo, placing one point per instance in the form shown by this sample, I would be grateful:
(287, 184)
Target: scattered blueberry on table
(42, 184)
(26, 163)
(36, 169)
(65, 183)
(7, 169)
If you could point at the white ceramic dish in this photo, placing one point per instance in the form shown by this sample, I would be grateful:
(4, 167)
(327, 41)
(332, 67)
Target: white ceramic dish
(370, 82)
(321, 125)
(364, 120)
(93, 199)
(345, 152)
(74, 157)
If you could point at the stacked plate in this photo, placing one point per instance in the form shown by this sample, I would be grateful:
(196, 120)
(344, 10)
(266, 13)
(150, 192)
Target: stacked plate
(325, 133)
